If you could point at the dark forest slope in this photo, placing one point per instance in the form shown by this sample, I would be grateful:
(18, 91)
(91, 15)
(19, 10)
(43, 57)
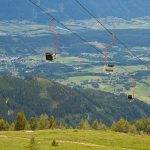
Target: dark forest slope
(37, 95)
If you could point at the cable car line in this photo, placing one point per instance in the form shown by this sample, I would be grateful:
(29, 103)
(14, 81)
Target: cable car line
(74, 33)
(56, 36)
(121, 42)
(108, 67)
(49, 56)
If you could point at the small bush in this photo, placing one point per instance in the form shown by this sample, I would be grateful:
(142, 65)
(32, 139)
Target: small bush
(54, 143)
(98, 125)
(84, 124)
(33, 144)
(3, 125)
(121, 126)
(133, 129)
(75, 130)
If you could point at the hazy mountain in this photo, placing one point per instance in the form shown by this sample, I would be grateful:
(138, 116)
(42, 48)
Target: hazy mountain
(37, 95)
(69, 9)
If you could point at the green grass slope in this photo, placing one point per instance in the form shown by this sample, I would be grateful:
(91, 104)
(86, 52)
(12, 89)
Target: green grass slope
(71, 140)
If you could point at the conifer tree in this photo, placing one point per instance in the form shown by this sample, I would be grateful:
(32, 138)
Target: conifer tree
(52, 123)
(33, 123)
(84, 124)
(20, 122)
(121, 126)
(43, 122)
(95, 125)
(3, 125)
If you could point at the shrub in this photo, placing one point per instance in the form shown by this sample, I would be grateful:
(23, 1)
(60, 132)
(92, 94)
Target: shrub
(98, 125)
(84, 124)
(54, 143)
(33, 144)
(33, 123)
(121, 126)
(43, 122)
(143, 125)
(133, 129)
(3, 125)
(95, 125)
(52, 123)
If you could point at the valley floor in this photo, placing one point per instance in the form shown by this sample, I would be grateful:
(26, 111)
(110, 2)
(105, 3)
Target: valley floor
(74, 140)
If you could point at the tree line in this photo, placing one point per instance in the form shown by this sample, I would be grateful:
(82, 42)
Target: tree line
(43, 122)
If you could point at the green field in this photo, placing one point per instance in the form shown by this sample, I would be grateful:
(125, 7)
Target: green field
(74, 140)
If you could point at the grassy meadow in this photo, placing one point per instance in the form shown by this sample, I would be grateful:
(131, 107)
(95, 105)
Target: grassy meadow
(74, 140)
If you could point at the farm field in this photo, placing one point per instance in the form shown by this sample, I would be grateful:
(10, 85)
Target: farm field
(74, 140)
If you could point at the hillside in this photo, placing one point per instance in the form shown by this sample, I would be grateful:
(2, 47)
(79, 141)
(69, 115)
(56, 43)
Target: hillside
(37, 95)
(68, 9)
(71, 140)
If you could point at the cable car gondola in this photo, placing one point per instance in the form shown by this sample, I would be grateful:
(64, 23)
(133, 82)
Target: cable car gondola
(49, 56)
(131, 96)
(108, 67)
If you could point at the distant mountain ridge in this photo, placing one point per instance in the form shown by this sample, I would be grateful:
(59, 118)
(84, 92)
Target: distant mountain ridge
(69, 9)
(37, 95)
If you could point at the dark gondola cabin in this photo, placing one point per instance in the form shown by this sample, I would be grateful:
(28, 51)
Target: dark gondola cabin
(49, 57)
(130, 97)
(111, 65)
(109, 68)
